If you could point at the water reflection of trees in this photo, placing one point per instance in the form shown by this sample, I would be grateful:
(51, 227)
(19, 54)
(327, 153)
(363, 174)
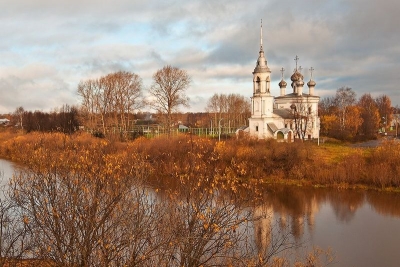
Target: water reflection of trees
(296, 207)
(387, 204)
(345, 203)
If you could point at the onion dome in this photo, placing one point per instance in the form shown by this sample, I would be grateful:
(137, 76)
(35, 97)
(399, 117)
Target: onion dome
(300, 83)
(282, 83)
(296, 76)
(311, 83)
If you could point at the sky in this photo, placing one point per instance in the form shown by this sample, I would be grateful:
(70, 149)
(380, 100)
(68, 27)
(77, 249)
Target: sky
(47, 47)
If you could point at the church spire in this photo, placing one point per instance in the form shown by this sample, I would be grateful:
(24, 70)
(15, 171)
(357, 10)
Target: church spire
(262, 65)
(261, 37)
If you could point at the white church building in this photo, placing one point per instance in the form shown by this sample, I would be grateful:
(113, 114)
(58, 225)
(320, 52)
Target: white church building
(288, 116)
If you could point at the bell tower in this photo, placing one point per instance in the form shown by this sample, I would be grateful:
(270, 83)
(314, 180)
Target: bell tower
(262, 101)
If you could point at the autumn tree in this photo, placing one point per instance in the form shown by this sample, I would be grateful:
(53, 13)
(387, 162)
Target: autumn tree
(168, 92)
(113, 97)
(88, 208)
(63, 119)
(384, 105)
(344, 98)
(126, 93)
(66, 119)
(328, 115)
(370, 115)
(205, 224)
(340, 115)
(206, 215)
(233, 108)
(354, 120)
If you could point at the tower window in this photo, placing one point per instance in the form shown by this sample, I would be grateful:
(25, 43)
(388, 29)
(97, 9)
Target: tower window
(256, 128)
(258, 87)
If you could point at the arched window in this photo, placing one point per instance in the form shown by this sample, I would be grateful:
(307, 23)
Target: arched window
(258, 85)
(280, 135)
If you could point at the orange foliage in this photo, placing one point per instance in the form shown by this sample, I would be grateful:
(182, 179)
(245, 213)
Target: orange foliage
(169, 160)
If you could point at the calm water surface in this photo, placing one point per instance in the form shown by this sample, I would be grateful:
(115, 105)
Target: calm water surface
(361, 227)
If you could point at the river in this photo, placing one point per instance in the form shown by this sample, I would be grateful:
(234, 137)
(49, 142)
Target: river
(362, 228)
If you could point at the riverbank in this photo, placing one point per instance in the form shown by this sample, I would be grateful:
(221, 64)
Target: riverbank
(241, 162)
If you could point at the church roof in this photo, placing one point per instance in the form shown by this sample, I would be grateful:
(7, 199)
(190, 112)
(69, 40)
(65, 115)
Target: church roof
(311, 83)
(272, 127)
(294, 95)
(285, 113)
(282, 83)
(296, 76)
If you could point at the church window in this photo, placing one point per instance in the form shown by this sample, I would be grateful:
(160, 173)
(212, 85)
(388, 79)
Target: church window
(256, 128)
(258, 83)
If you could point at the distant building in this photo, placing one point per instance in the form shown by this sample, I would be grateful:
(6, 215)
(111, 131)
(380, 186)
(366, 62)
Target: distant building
(4, 121)
(288, 116)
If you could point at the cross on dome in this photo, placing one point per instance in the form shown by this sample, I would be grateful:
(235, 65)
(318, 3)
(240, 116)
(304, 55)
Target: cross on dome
(296, 59)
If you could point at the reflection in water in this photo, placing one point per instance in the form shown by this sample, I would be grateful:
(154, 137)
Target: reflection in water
(345, 203)
(299, 210)
(387, 204)
(263, 216)
(340, 219)
(6, 171)
(295, 208)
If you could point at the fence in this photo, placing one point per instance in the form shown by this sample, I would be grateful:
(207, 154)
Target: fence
(151, 131)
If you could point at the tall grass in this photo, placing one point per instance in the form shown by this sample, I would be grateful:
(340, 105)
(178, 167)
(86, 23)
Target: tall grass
(242, 160)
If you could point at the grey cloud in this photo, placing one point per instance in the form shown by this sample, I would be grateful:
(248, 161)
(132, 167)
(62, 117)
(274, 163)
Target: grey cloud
(348, 42)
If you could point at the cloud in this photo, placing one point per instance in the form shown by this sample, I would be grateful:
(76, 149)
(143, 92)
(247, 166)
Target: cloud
(48, 47)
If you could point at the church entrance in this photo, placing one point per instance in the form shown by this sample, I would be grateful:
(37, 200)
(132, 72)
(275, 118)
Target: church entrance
(289, 137)
(280, 135)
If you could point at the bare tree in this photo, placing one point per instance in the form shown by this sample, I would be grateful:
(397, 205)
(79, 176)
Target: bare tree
(126, 96)
(345, 97)
(302, 117)
(217, 106)
(112, 97)
(85, 210)
(168, 92)
(205, 225)
(234, 108)
(88, 107)
(19, 113)
(15, 242)
(238, 109)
